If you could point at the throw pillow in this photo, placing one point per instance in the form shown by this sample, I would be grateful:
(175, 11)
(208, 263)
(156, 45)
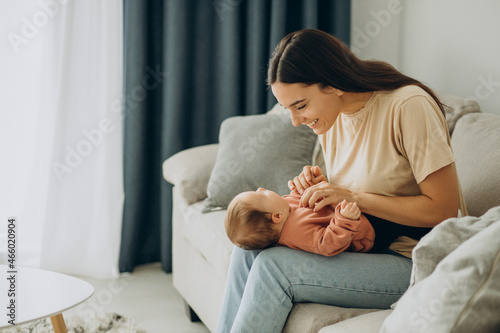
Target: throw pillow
(456, 107)
(476, 144)
(257, 151)
(456, 292)
(445, 238)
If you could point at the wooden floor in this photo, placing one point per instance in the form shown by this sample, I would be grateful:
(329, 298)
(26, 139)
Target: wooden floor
(147, 296)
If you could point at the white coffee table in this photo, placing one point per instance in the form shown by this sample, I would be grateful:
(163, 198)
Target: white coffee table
(41, 294)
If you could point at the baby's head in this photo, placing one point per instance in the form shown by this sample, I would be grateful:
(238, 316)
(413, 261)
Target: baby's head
(254, 219)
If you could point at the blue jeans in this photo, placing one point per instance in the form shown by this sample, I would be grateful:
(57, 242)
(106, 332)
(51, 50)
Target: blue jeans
(263, 285)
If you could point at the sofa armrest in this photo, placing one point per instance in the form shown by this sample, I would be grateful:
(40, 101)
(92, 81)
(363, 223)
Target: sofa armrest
(190, 171)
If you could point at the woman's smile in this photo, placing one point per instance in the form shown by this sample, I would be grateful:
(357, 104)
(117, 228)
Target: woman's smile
(313, 123)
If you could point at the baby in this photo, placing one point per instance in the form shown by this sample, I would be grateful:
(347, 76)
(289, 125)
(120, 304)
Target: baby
(260, 219)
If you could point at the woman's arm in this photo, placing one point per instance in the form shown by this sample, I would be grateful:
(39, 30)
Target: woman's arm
(439, 200)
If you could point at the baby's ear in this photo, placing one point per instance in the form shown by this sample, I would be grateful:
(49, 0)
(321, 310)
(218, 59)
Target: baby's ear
(277, 217)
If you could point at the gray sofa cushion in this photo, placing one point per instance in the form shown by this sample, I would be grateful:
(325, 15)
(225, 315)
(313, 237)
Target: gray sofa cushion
(476, 144)
(257, 151)
(445, 238)
(462, 293)
(456, 107)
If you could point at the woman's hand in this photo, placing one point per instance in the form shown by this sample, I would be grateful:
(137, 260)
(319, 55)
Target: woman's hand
(323, 194)
(310, 175)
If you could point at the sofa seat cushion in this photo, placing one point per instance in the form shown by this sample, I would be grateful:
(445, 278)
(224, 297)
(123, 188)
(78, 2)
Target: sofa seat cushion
(206, 233)
(311, 317)
(367, 323)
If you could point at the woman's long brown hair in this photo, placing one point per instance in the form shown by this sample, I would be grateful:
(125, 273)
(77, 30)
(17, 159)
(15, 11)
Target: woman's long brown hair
(313, 56)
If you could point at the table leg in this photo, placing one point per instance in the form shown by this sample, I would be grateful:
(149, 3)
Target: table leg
(58, 324)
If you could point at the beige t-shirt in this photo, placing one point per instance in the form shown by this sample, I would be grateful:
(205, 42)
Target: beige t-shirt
(389, 146)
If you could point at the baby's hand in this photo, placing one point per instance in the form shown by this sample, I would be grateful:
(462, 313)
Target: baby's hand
(310, 175)
(349, 210)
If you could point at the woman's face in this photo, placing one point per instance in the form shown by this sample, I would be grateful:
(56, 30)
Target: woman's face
(309, 105)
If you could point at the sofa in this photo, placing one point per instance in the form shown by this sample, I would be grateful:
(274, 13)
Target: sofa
(455, 282)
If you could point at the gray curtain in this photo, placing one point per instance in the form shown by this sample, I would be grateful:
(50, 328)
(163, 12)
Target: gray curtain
(188, 65)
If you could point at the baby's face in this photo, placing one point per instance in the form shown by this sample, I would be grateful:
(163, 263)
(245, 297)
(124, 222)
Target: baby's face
(265, 200)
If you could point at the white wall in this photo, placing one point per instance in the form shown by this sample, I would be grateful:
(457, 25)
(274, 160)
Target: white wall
(451, 45)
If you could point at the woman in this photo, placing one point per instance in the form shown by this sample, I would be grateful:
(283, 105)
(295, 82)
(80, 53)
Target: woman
(386, 147)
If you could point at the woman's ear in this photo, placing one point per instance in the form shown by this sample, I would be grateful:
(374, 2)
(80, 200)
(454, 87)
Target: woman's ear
(338, 92)
(332, 90)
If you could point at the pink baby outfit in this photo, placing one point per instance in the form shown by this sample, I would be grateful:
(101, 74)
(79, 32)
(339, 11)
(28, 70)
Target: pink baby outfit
(325, 232)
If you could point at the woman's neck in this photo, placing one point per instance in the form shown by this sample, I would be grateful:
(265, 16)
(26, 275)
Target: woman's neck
(355, 101)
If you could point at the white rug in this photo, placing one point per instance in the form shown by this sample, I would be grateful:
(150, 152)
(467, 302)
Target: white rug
(104, 323)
